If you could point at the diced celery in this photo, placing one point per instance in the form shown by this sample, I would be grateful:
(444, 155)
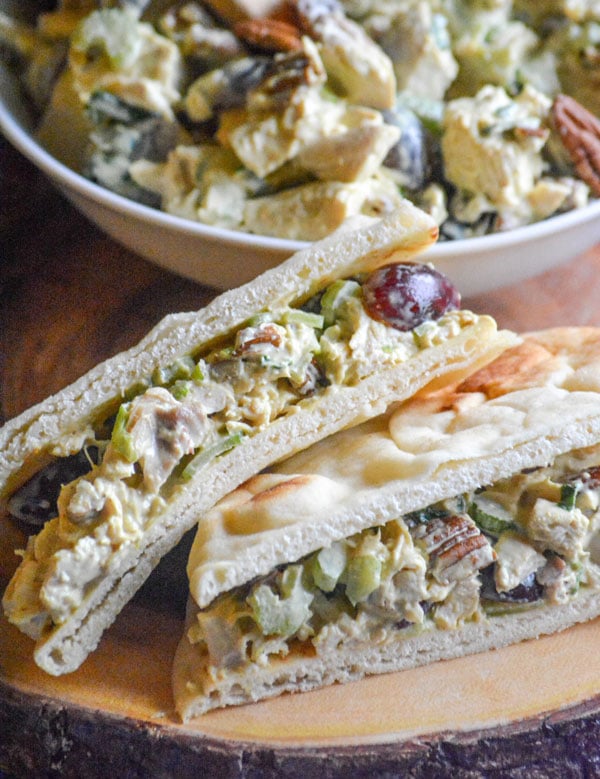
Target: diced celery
(579, 571)
(490, 516)
(197, 375)
(180, 389)
(501, 608)
(282, 616)
(104, 108)
(120, 438)
(303, 317)
(328, 565)
(424, 334)
(362, 577)
(226, 353)
(205, 456)
(181, 368)
(335, 295)
(260, 319)
(568, 496)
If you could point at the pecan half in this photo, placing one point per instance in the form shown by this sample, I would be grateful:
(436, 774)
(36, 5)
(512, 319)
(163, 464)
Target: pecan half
(455, 546)
(269, 35)
(579, 131)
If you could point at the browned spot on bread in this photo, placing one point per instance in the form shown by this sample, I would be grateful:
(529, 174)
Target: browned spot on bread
(517, 368)
(280, 489)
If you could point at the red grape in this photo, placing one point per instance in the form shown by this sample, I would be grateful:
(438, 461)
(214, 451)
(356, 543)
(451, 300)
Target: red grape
(406, 294)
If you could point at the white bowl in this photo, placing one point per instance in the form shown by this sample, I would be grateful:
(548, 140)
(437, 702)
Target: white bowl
(226, 258)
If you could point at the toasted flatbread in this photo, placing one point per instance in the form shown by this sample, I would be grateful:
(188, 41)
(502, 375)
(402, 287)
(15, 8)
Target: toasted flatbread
(181, 419)
(479, 504)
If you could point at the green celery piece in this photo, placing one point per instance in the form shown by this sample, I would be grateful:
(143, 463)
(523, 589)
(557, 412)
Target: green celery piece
(197, 375)
(362, 577)
(430, 112)
(105, 108)
(205, 456)
(579, 570)
(181, 368)
(335, 295)
(282, 616)
(328, 565)
(260, 319)
(423, 516)
(180, 389)
(490, 516)
(568, 496)
(501, 608)
(303, 317)
(120, 438)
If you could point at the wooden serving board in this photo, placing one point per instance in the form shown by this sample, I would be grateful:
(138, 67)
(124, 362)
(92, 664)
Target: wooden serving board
(70, 297)
(485, 711)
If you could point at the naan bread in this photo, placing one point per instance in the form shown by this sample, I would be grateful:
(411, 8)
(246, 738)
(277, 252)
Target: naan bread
(538, 400)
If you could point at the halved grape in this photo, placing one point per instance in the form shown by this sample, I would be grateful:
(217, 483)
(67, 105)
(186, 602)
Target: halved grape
(35, 502)
(405, 295)
(528, 591)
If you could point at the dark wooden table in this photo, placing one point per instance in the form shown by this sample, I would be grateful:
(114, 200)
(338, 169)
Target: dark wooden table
(70, 297)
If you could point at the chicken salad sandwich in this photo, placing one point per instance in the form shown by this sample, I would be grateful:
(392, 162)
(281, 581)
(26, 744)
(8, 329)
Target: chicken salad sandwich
(461, 520)
(119, 465)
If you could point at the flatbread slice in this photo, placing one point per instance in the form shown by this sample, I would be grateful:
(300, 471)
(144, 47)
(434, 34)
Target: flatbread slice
(460, 521)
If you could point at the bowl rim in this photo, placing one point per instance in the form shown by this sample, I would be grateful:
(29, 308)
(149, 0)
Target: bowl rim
(63, 176)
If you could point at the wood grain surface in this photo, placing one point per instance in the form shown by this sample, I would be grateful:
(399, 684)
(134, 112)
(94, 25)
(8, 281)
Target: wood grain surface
(69, 297)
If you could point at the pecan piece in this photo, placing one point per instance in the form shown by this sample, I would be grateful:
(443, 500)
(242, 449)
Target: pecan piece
(455, 546)
(589, 478)
(252, 337)
(579, 131)
(288, 71)
(269, 35)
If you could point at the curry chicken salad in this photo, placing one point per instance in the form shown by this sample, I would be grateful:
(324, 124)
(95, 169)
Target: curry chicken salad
(287, 124)
(462, 520)
(189, 414)
(525, 541)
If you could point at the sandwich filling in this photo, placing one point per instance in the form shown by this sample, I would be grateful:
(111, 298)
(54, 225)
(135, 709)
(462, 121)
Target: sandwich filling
(191, 412)
(523, 542)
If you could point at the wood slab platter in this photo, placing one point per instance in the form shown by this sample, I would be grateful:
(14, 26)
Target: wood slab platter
(533, 707)
(70, 297)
